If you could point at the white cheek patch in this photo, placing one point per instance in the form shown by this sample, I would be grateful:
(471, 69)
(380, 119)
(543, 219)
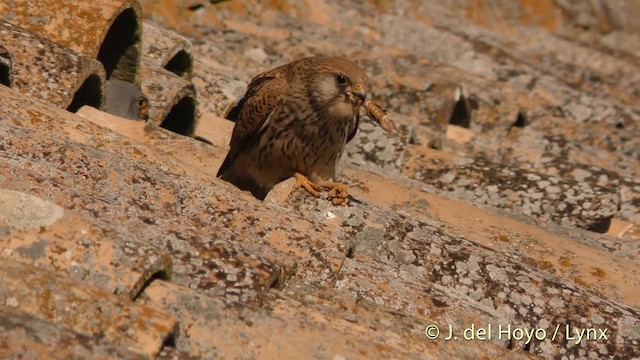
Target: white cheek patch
(339, 106)
(327, 88)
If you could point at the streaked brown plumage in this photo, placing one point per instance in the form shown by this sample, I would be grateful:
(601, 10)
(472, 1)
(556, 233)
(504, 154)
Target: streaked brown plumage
(295, 120)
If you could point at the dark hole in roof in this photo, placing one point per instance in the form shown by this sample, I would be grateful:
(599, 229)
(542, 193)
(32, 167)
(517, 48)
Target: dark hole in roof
(5, 74)
(521, 121)
(351, 252)
(181, 118)
(278, 282)
(195, 7)
(158, 275)
(601, 226)
(118, 52)
(180, 64)
(461, 115)
(439, 302)
(90, 93)
(171, 340)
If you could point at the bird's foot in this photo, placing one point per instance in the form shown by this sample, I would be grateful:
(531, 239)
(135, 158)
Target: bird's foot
(304, 182)
(337, 192)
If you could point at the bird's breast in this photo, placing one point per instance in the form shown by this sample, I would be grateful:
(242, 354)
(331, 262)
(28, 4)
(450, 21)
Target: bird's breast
(327, 139)
(308, 144)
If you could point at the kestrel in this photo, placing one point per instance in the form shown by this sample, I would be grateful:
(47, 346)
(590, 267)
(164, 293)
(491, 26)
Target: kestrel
(126, 100)
(295, 120)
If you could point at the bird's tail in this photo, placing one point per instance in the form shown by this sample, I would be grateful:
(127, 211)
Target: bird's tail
(226, 165)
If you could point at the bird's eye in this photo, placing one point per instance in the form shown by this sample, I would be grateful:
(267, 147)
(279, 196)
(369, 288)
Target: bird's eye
(142, 102)
(341, 79)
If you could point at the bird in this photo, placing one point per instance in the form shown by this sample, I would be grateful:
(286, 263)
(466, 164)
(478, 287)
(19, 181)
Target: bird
(126, 100)
(295, 121)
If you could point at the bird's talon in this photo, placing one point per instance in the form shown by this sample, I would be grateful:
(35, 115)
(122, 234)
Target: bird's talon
(337, 201)
(338, 194)
(303, 181)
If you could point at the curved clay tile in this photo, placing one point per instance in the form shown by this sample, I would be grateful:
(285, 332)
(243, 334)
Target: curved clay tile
(115, 267)
(166, 49)
(48, 71)
(106, 30)
(172, 100)
(26, 333)
(85, 309)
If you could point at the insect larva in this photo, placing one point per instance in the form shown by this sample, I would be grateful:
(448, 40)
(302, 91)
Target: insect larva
(378, 114)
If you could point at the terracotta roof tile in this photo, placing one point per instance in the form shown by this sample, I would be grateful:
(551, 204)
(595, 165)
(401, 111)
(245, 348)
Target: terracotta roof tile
(108, 30)
(172, 100)
(166, 49)
(507, 198)
(84, 309)
(28, 336)
(48, 71)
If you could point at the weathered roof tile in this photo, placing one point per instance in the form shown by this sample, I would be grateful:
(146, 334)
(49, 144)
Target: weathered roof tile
(29, 336)
(43, 234)
(48, 71)
(106, 30)
(84, 309)
(172, 100)
(166, 49)
(93, 205)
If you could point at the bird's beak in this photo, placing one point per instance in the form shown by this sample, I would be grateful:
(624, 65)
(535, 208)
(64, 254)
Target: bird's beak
(359, 92)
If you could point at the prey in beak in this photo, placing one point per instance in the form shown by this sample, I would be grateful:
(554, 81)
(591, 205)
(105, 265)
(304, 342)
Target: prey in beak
(357, 94)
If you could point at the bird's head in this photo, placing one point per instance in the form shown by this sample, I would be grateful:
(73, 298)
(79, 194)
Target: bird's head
(126, 100)
(339, 86)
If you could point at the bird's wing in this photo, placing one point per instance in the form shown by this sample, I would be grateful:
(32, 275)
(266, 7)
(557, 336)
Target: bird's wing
(263, 96)
(353, 131)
